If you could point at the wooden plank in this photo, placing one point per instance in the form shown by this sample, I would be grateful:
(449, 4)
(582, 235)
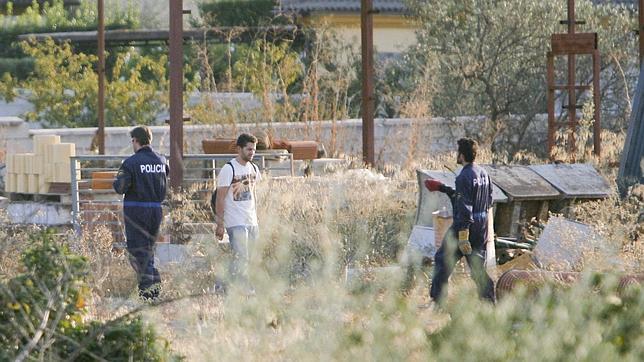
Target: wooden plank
(521, 183)
(578, 43)
(577, 180)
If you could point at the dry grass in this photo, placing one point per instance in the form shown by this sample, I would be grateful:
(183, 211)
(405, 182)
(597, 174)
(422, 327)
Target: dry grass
(312, 229)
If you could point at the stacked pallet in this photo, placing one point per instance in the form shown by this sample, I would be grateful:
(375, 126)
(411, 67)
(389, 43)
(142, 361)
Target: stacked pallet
(33, 173)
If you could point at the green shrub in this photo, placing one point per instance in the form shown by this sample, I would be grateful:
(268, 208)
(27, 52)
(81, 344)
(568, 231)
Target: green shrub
(43, 310)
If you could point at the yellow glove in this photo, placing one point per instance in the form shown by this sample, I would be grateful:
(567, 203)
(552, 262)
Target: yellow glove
(464, 242)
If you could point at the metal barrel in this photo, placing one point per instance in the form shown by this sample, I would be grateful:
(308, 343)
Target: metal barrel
(629, 281)
(533, 280)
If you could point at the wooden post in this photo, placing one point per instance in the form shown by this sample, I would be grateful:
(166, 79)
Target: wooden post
(550, 74)
(101, 77)
(176, 93)
(572, 92)
(597, 129)
(368, 99)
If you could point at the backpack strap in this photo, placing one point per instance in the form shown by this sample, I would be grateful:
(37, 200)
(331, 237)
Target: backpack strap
(233, 168)
(255, 167)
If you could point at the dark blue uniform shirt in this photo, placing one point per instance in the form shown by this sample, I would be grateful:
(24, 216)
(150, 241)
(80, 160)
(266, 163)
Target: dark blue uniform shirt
(470, 202)
(143, 179)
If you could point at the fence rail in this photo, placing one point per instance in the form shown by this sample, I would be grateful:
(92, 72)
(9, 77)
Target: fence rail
(92, 207)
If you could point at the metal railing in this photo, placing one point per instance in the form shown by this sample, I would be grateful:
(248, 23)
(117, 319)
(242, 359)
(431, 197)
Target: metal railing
(93, 207)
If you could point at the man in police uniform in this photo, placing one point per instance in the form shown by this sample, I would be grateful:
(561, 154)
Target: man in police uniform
(143, 178)
(468, 234)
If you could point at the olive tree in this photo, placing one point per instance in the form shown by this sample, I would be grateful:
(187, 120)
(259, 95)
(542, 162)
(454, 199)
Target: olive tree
(491, 58)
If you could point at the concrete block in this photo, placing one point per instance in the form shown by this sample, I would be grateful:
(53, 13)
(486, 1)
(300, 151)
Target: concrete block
(39, 213)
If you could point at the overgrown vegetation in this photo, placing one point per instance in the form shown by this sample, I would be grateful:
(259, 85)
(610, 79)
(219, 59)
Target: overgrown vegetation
(43, 311)
(134, 89)
(314, 231)
(52, 16)
(490, 59)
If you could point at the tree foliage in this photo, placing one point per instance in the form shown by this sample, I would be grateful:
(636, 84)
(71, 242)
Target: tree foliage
(491, 55)
(43, 312)
(64, 87)
(52, 16)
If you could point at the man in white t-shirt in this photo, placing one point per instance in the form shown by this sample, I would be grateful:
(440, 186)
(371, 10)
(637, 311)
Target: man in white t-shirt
(236, 209)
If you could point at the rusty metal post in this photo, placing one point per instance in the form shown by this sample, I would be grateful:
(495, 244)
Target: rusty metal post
(597, 140)
(368, 99)
(176, 93)
(572, 92)
(550, 75)
(101, 77)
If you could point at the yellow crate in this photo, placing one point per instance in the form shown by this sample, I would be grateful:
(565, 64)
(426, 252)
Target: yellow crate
(8, 160)
(21, 183)
(29, 163)
(10, 184)
(33, 184)
(42, 141)
(61, 152)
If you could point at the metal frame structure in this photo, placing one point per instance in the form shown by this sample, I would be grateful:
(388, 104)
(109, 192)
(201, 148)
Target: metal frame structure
(571, 44)
(207, 168)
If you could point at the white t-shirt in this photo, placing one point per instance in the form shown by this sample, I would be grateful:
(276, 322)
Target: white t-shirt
(239, 204)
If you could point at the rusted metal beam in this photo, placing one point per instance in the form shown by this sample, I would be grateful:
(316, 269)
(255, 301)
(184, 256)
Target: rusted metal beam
(176, 93)
(368, 98)
(572, 92)
(578, 43)
(550, 75)
(597, 129)
(571, 44)
(127, 36)
(101, 77)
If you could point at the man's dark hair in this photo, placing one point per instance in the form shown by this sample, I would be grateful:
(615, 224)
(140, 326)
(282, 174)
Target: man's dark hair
(142, 135)
(468, 148)
(244, 139)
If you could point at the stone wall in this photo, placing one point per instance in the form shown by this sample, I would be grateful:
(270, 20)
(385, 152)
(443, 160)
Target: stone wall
(393, 137)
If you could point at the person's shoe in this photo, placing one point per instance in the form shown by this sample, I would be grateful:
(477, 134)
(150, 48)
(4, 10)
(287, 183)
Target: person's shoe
(150, 294)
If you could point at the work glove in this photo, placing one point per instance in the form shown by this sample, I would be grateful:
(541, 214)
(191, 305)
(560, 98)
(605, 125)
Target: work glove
(433, 185)
(464, 242)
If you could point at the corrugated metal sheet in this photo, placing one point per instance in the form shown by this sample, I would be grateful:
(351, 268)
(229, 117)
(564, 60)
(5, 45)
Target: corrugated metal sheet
(521, 183)
(578, 180)
(389, 6)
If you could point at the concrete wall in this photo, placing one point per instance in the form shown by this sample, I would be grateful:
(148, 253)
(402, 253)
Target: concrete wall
(393, 137)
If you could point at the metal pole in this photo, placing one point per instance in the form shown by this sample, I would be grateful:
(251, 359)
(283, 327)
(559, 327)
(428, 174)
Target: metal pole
(75, 198)
(597, 129)
(176, 93)
(368, 99)
(550, 74)
(101, 77)
(572, 95)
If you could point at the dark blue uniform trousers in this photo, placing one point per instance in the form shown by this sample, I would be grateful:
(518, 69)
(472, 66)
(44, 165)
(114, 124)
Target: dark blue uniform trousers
(445, 259)
(141, 231)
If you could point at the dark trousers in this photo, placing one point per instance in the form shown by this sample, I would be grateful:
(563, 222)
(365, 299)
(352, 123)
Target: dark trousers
(141, 231)
(445, 259)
